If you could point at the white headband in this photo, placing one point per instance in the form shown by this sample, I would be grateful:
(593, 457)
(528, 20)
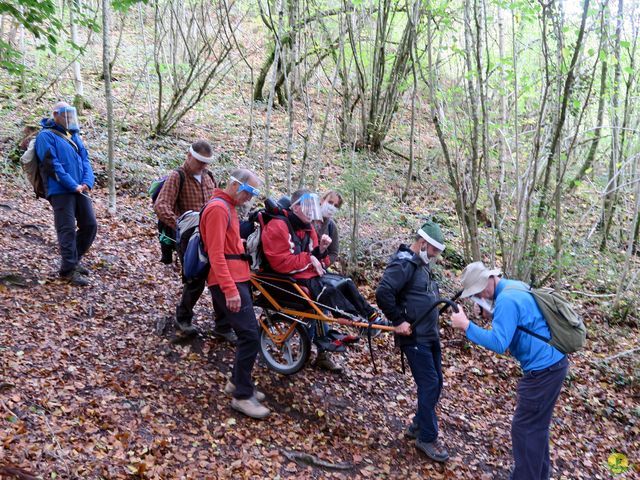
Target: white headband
(199, 157)
(431, 240)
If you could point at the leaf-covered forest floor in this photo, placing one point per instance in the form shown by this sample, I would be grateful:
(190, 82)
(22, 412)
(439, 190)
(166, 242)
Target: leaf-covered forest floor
(89, 389)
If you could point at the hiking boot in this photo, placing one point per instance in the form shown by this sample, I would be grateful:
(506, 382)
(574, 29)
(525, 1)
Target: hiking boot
(167, 254)
(185, 328)
(82, 270)
(75, 278)
(324, 361)
(250, 407)
(229, 388)
(229, 336)
(412, 431)
(434, 450)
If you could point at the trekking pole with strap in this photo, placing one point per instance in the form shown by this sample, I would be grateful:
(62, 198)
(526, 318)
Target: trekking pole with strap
(447, 303)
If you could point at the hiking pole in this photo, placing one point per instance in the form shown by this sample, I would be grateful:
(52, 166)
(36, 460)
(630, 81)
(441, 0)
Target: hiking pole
(448, 303)
(453, 299)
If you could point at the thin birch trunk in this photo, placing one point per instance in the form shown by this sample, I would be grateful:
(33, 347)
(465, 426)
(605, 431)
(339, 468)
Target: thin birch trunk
(266, 160)
(78, 100)
(106, 71)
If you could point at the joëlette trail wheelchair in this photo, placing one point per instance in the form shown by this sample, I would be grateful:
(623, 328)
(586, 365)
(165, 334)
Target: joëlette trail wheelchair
(287, 315)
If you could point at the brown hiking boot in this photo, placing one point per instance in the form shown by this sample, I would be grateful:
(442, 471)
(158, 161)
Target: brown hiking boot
(324, 361)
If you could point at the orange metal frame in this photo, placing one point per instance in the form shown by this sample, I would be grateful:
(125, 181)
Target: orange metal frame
(315, 314)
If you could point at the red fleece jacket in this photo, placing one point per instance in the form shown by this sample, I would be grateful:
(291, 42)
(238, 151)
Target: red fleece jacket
(220, 232)
(280, 250)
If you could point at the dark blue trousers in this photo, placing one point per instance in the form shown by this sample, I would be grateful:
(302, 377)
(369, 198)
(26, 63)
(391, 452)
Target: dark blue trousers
(69, 209)
(191, 292)
(425, 362)
(538, 392)
(245, 325)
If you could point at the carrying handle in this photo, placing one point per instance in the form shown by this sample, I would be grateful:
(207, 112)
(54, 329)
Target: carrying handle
(447, 304)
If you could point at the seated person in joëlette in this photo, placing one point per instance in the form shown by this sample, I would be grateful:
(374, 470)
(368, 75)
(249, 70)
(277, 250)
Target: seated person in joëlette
(304, 257)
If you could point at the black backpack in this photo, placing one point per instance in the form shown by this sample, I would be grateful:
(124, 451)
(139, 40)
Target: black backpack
(251, 231)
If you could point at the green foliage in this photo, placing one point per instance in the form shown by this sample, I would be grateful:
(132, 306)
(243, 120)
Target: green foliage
(39, 17)
(625, 312)
(357, 177)
(124, 5)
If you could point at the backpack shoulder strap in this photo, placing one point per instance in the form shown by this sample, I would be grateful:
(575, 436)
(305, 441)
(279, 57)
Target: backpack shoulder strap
(61, 135)
(520, 327)
(226, 204)
(210, 173)
(181, 176)
(533, 334)
(294, 236)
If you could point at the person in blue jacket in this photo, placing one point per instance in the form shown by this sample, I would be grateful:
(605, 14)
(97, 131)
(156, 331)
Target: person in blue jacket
(68, 177)
(544, 367)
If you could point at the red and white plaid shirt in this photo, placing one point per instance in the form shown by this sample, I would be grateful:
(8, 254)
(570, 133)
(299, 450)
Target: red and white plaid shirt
(194, 194)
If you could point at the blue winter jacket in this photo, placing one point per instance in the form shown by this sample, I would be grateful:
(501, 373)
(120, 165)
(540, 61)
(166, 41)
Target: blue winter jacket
(61, 164)
(515, 307)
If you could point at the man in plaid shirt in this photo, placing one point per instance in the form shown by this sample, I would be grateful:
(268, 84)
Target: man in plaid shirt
(177, 196)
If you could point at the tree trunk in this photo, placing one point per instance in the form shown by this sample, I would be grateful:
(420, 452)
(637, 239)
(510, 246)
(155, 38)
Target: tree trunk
(262, 73)
(557, 132)
(611, 193)
(593, 148)
(78, 99)
(106, 71)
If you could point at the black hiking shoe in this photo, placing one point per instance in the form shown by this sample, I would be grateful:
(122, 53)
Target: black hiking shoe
(167, 254)
(412, 431)
(82, 270)
(75, 278)
(185, 328)
(228, 336)
(434, 450)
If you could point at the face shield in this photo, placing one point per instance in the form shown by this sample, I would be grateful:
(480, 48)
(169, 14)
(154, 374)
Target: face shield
(68, 117)
(310, 206)
(245, 187)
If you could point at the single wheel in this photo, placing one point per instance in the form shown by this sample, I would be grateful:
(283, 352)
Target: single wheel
(284, 343)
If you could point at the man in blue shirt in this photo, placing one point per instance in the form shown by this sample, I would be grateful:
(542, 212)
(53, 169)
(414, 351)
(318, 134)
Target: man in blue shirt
(68, 178)
(544, 367)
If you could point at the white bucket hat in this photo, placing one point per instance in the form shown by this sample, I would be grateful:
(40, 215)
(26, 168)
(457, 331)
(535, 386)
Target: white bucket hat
(475, 278)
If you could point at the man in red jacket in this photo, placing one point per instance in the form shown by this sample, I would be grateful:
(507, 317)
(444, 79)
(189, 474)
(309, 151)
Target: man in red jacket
(301, 255)
(228, 282)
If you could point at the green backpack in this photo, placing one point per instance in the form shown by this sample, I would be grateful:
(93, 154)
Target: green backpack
(568, 332)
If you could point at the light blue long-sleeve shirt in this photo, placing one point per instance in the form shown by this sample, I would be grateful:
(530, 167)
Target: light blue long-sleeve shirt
(514, 307)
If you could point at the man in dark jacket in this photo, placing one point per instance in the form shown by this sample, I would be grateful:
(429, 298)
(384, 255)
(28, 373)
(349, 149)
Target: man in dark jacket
(65, 167)
(406, 292)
